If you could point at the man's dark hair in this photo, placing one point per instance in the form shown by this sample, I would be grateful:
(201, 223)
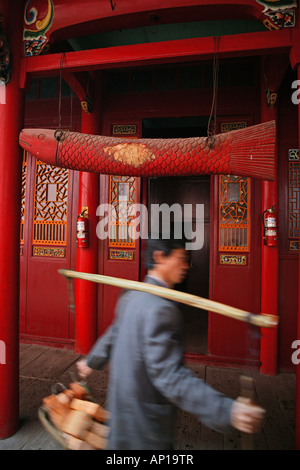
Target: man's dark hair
(165, 245)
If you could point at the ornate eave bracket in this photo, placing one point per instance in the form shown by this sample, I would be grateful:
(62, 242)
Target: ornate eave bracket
(278, 14)
(271, 98)
(37, 22)
(86, 104)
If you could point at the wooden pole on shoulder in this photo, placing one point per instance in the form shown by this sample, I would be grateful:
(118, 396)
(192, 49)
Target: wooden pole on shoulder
(262, 320)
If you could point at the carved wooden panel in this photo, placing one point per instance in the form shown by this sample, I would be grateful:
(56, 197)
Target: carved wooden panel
(122, 211)
(50, 205)
(293, 200)
(233, 213)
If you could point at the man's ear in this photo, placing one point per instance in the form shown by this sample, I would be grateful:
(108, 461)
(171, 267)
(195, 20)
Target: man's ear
(157, 257)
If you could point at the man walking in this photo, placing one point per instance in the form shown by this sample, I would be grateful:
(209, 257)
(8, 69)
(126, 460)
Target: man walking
(148, 380)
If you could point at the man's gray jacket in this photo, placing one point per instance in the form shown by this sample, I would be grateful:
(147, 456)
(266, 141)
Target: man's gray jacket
(148, 380)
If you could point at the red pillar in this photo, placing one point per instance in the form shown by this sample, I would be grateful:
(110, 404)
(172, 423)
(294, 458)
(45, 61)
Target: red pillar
(11, 122)
(297, 426)
(87, 257)
(270, 255)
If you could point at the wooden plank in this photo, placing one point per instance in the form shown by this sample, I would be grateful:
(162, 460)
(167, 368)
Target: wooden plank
(191, 434)
(32, 396)
(279, 424)
(42, 365)
(276, 394)
(28, 429)
(226, 381)
(41, 441)
(49, 364)
(285, 386)
(188, 432)
(30, 353)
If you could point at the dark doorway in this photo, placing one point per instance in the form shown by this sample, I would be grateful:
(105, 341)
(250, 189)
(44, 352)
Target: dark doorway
(195, 192)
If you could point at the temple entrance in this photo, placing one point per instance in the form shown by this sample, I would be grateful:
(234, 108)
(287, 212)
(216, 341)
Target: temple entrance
(195, 192)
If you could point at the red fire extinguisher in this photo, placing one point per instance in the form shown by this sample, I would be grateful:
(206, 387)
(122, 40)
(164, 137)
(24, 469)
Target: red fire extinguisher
(82, 230)
(270, 227)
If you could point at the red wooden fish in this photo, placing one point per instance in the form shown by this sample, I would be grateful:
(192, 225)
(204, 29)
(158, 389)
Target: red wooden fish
(244, 152)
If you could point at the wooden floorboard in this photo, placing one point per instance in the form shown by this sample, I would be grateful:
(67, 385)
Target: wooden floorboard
(42, 368)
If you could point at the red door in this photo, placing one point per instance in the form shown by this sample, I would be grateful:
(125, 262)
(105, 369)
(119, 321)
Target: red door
(235, 259)
(119, 244)
(47, 245)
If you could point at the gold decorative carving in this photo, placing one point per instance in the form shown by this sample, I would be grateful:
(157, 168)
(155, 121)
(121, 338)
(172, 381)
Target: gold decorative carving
(232, 126)
(49, 252)
(236, 260)
(124, 129)
(121, 255)
(271, 98)
(294, 245)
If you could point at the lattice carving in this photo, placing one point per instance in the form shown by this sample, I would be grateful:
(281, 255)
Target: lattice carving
(122, 211)
(50, 205)
(23, 196)
(293, 230)
(233, 213)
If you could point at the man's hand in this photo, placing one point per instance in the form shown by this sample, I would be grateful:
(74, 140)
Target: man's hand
(246, 417)
(83, 369)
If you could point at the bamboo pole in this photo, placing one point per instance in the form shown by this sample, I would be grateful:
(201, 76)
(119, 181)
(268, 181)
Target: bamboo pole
(261, 320)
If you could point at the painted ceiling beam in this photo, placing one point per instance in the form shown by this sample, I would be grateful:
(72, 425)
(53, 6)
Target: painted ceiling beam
(70, 17)
(260, 43)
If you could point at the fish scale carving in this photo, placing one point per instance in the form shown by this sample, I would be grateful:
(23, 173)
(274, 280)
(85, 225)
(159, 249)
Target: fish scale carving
(152, 157)
(244, 152)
